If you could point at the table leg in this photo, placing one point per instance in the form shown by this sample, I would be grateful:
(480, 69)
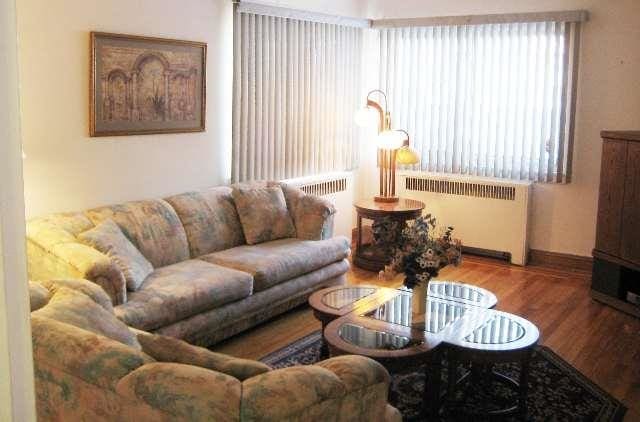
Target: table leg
(524, 387)
(432, 386)
(359, 235)
(324, 347)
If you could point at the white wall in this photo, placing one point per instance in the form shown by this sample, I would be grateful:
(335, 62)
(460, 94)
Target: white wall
(65, 169)
(16, 364)
(564, 216)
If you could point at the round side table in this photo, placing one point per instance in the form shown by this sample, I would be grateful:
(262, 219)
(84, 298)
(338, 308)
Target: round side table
(371, 256)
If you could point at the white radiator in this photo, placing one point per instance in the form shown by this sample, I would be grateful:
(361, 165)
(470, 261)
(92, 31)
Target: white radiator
(337, 188)
(488, 215)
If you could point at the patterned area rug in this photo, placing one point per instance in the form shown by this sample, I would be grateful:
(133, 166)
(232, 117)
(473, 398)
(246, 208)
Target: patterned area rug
(557, 391)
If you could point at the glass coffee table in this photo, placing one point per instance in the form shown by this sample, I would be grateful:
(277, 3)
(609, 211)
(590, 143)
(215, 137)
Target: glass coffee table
(403, 329)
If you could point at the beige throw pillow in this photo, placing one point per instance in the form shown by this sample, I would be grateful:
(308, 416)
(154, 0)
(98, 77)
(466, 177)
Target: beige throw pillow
(263, 213)
(109, 239)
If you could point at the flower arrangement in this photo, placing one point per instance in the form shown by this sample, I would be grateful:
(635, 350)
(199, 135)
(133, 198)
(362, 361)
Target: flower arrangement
(416, 250)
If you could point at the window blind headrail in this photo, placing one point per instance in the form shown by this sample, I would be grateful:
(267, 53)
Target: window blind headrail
(558, 16)
(303, 15)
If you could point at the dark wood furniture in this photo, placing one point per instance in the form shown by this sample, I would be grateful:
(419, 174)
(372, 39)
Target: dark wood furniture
(373, 256)
(616, 257)
(402, 329)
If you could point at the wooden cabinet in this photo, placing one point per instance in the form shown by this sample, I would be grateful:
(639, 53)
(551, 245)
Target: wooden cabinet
(616, 267)
(630, 242)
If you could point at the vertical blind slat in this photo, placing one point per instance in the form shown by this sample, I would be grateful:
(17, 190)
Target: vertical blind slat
(297, 85)
(486, 100)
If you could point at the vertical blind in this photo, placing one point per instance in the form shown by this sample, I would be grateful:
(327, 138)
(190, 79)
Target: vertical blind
(488, 100)
(297, 85)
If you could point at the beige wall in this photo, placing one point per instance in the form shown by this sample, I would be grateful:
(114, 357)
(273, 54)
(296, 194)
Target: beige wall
(564, 216)
(65, 169)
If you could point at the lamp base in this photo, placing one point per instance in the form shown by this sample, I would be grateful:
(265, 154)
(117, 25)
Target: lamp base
(380, 198)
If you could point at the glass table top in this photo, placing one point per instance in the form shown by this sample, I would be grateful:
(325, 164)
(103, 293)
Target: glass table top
(342, 297)
(430, 315)
(461, 292)
(374, 339)
(499, 329)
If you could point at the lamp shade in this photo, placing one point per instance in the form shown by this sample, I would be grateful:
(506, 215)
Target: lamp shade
(367, 117)
(390, 139)
(406, 155)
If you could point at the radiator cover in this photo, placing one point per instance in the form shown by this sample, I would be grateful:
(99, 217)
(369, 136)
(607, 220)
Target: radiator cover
(487, 214)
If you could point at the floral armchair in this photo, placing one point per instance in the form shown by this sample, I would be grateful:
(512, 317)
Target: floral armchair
(90, 366)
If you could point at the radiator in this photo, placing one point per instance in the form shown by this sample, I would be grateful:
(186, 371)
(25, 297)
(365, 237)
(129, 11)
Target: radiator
(488, 215)
(337, 188)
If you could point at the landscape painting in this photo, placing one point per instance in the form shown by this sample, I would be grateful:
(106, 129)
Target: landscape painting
(143, 85)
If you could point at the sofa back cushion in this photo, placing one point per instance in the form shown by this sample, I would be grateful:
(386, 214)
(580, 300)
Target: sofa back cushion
(210, 220)
(152, 226)
(263, 213)
(76, 308)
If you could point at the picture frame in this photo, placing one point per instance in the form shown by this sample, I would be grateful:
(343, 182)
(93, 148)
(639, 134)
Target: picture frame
(145, 85)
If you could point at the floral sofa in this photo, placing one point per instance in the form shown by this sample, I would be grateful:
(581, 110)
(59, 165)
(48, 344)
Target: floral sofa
(206, 282)
(90, 366)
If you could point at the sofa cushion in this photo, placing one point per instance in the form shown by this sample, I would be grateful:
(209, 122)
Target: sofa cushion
(181, 290)
(210, 220)
(170, 349)
(109, 239)
(153, 227)
(280, 260)
(75, 308)
(263, 213)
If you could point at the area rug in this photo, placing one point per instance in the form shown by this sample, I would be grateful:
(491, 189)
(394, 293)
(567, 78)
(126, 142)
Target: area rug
(557, 391)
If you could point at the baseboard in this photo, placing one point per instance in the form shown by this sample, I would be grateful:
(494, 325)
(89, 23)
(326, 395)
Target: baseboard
(559, 260)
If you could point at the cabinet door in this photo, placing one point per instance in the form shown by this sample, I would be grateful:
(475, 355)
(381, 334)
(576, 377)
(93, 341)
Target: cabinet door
(612, 176)
(630, 245)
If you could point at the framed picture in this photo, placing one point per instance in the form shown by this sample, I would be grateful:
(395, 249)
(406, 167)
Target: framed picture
(143, 85)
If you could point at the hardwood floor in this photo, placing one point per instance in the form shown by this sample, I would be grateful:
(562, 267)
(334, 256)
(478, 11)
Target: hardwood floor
(601, 342)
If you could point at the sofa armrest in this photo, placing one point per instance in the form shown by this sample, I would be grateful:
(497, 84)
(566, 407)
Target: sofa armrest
(356, 372)
(186, 392)
(285, 394)
(169, 349)
(313, 216)
(55, 253)
(95, 359)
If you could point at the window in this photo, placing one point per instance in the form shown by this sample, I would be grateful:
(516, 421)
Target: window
(490, 100)
(297, 85)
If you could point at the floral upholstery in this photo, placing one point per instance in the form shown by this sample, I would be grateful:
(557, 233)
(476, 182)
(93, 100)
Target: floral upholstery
(81, 375)
(210, 220)
(92, 290)
(55, 253)
(210, 327)
(94, 358)
(181, 290)
(38, 296)
(273, 262)
(184, 391)
(195, 241)
(169, 349)
(263, 213)
(75, 308)
(108, 239)
(312, 215)
(153, 227)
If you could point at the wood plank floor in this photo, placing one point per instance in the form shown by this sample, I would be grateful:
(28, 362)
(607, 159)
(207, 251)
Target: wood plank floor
(601, 342)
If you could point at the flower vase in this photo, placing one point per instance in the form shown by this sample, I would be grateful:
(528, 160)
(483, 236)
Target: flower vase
(418, 305)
